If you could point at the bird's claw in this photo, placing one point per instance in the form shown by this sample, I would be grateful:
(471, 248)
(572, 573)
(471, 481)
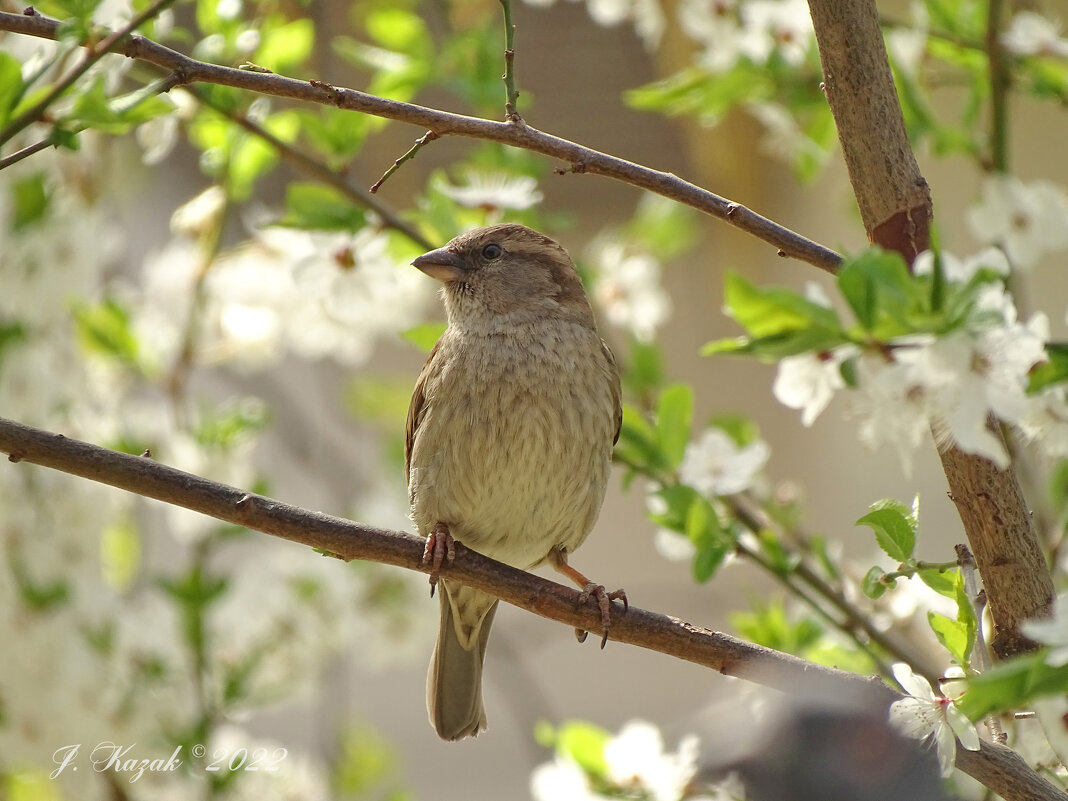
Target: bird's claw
(440, 548)
(604, 603)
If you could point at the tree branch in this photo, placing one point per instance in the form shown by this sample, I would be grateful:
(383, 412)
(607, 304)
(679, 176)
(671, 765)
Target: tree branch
(895, 205)
(997, 767)
(442, 123)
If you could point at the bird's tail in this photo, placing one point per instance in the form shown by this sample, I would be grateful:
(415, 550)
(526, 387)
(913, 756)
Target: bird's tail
(454, 682)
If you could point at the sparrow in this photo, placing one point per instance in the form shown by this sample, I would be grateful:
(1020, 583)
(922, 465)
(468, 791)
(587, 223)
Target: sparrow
(509, 439)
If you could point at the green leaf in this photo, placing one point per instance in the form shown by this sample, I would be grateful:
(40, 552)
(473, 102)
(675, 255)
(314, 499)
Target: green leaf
(94, 109)
(778, 346)
(400, 30)
(1013, 684)
(942, 582)
(584, 743)
(1051, 372)
(11, 87)
(881, 292)
(31, 200)
(120, 554)
(231, 423)
(774, 311)
(965, 618)
(335, 132)
(425, 336)
(894, 527)
(318, 207)
(644, 369)
(674, 416)
(703, 529)
(286, 47)
(953, 635)
(708, 560)
(104, 328)
(769, 626)
(707, 95)
(638, 441)
(872, 584)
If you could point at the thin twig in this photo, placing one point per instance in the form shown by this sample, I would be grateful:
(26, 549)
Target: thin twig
(429, 136)
(511, 104)
(26, 152)
(748, 512)
(999, 87)
(94, 53)
(581, 159)
(316, 169)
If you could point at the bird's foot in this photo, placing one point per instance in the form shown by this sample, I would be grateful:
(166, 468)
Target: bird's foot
(590, 589)
(604, 603)
(439, 549)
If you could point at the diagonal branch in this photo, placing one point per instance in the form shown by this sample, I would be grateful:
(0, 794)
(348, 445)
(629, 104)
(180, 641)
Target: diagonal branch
(94, 52)
(999, 768)
(442, 123)
(316, 169)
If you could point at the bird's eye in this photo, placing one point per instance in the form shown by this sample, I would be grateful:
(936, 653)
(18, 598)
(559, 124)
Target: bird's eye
(492, 251)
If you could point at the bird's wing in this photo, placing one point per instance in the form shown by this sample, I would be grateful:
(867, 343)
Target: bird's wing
(617, 389)
(417, 407)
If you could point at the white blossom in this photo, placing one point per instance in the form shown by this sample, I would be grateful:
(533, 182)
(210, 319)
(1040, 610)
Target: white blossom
(494, 190)
(562, 779)
(783, 137)
(1027, 220)
(952, 383)
(784, 26)
(157, 138)
(673, 546)
(1051, 631)
(716, 465)
(200, 215)
(715, 25)
(959, 270)
(646, 15)
(1031, 34)
(636, 759)
(627, 288)
(808, 381)
(923, 715)
(907, 44)
(636, 765)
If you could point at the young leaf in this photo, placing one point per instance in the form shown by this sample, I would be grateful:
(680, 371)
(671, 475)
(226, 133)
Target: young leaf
(674, 416)
(774, 311)
(953, 635)
(881, 293)
(426, 335)
(872, 584)
(894, 527)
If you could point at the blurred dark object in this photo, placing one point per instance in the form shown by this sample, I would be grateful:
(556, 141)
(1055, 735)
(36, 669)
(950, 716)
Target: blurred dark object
(830, 751)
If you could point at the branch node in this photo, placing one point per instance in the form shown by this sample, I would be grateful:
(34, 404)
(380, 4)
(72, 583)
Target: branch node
(14, 458)
(511, 104)
(147, 454)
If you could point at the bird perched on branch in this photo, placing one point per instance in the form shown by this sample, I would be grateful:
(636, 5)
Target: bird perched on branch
(509, 439)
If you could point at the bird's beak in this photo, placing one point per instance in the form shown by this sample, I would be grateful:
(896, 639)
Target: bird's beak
(442, 264)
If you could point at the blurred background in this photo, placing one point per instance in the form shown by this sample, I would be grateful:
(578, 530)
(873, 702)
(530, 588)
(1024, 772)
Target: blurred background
(328, 429)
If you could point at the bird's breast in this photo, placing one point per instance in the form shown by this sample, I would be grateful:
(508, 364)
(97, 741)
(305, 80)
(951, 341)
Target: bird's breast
(513, 450)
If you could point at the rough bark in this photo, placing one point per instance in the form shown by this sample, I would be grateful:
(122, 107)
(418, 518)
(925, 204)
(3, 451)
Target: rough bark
(895, 206)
